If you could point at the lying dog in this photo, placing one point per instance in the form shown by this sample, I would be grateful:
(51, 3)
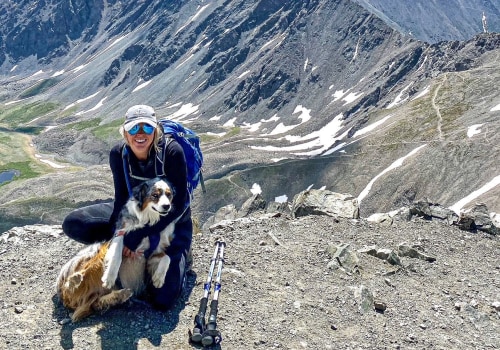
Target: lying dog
(86, 283)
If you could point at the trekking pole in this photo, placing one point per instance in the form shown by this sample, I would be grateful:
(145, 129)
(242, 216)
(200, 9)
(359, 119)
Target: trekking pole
(199, 320)
(211, 335)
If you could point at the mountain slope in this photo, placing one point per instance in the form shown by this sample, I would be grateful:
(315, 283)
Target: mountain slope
(434, 21)
(285, 94)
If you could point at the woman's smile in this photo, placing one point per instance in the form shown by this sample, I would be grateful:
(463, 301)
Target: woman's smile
(140, 143)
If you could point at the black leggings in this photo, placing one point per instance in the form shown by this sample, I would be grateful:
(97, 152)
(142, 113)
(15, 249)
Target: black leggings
(91, 224)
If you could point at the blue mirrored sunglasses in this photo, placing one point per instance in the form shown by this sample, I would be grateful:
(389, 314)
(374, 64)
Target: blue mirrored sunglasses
(146, 128)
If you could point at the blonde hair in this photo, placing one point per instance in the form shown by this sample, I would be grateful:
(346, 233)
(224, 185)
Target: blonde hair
(158, 137)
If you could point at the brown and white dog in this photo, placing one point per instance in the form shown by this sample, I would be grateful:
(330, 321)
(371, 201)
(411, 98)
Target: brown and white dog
(86, 283)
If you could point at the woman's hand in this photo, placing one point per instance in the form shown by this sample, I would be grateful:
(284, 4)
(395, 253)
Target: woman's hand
(126, 251)
(133, 239)
(131, 254)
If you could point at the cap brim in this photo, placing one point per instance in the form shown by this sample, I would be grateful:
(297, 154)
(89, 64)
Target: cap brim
(129, 125)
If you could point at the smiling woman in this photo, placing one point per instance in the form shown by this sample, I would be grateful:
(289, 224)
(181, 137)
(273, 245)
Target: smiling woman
(145, 153)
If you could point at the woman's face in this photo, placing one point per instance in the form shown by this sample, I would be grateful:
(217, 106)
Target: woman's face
(140, 142)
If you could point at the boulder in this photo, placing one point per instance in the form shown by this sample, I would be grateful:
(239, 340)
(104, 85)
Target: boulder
(227, 212)
(324, 202)
(433, 211)
(277, 207)
(343, 257)
(383, 219)
(253, 204)
(477, 218)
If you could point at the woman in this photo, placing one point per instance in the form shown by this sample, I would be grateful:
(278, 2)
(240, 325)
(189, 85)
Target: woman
(131, 163)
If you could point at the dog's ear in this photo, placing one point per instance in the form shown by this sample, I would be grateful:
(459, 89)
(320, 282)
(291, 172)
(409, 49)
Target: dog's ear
(169, 184)
(172, 189)
(140, 193)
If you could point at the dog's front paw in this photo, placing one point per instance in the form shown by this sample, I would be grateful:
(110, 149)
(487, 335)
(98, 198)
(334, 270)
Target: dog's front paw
(108, 282)
(158, 278)
(158, 268)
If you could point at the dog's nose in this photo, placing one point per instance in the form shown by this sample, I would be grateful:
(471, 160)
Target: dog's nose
(166, 207)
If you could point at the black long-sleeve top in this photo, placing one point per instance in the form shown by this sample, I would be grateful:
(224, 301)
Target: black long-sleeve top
(175, 171)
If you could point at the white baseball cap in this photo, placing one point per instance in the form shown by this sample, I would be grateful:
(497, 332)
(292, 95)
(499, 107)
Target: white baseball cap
(139, 114)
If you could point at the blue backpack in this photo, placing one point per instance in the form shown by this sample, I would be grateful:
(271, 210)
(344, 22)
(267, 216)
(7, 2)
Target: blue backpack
(190, 143)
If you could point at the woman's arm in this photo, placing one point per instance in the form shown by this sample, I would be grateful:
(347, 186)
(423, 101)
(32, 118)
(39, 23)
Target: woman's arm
(120, 184)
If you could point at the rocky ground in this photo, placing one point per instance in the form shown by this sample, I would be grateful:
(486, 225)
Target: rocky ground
(308, 283)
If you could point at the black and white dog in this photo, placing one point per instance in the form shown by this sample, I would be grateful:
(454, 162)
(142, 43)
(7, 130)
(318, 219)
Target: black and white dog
(87, 282)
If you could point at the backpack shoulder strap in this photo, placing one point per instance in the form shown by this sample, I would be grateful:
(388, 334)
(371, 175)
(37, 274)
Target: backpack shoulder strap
(160, 155)
(126, 168)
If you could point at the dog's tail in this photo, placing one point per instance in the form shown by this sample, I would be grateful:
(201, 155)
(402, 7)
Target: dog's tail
(76, 263)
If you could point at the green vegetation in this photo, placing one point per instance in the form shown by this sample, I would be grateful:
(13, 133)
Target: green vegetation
(419, 124)
(452, 113)
(12, 147)
(68, 112)
(84, 125)
(103, 132)
(25, 168)
(233, 132)
(204, 138)
(39, 87)
(15, 154)
(422, 121)
(108, 131)
(16, 116)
